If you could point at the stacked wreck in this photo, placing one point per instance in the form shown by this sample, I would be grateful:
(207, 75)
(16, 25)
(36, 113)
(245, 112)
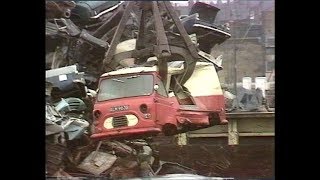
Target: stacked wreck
(119, 73)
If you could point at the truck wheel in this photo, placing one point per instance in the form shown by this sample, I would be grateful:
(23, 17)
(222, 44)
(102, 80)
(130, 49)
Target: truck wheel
(169, 129)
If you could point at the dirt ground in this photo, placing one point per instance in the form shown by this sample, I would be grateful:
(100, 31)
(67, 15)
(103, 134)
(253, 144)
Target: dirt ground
(252, 158)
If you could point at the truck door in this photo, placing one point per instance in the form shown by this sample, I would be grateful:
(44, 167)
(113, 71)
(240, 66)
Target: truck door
(165, 111)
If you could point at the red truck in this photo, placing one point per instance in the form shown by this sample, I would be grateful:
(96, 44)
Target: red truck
(134, 101)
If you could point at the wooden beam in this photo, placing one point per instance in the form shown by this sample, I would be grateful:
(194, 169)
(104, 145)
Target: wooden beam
(207, 135)
(233, 135)
(256, 134)
(246, 115)
(204, 135)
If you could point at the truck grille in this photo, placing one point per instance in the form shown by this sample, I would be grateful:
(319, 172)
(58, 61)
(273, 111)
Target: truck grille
(119, 121)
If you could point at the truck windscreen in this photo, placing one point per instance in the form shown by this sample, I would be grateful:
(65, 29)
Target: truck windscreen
(125, 86)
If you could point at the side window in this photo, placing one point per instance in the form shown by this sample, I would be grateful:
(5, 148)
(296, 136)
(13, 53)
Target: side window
(162, 90)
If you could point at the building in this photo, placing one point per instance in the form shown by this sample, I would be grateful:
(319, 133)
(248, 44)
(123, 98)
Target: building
(252, 29)
(252, 26)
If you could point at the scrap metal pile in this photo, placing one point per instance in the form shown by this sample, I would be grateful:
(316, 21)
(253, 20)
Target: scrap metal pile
(246, 101)
(80, 43)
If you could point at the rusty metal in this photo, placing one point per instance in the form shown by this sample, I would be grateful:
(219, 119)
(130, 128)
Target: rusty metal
(109, 23)
(117, 35)
(181, 29)
(67, 26)
(163, 68)
(59, 8)
(92, 40)
(120, 149)
(96, 152)
(101, 162)
(140, 39)
(163, 49)
(107, 36)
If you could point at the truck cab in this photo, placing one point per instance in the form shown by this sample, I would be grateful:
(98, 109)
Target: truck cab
(125, 103)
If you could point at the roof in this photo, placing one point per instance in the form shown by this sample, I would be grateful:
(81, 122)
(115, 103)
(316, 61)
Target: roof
(131, 70)
(175, 67)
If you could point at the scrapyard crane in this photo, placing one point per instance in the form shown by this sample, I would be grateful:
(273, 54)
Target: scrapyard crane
(166, 47)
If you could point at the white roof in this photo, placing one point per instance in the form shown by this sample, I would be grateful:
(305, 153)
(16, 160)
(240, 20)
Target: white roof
(131, 70)
(175, 67)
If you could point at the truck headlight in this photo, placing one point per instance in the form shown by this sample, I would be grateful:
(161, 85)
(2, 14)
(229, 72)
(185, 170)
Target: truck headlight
(132, 120)
(108, 123)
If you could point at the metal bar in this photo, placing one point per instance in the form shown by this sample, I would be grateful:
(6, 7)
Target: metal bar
(163, 69)
(191, 61)
(106, 36)
(108, 24)
(235, 77)
(191, 47)
(162, 41)
(140, 38)
(188, 67)
(92, 40)
(163, 49)
(117, 35)
(96, 152)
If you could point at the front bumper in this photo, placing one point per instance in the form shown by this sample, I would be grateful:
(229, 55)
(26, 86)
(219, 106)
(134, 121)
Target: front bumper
(126, 133)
